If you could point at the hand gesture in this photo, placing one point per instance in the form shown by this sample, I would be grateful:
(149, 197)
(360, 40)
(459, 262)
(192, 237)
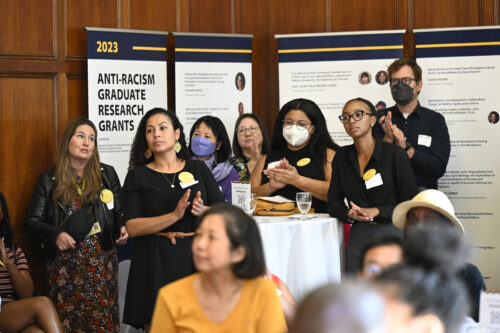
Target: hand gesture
(3, 252)
(386, 124)
(182, 205)
(399, 136)
(65, 242)
(288, 175)
(198, 207)
(123, 236)
(361, 214)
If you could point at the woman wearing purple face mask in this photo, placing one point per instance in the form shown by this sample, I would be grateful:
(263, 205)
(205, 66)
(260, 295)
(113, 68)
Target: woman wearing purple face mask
(301, 155)
(210, 143)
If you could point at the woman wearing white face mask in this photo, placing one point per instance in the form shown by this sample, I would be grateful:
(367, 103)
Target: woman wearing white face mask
(302, 150)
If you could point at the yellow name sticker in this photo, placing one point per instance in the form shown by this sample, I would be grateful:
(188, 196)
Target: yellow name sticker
(186, 177)
(106, 196)
(303, 162)
(369, 174)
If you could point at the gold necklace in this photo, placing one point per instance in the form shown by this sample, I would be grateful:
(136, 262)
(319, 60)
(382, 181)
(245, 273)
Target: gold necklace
(168, 180)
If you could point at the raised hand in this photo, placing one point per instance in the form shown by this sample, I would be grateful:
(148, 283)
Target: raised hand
(183, 203)
(198, 207)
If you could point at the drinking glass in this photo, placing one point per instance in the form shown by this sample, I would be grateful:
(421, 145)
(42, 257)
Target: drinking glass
(304, 201)
(248, 202)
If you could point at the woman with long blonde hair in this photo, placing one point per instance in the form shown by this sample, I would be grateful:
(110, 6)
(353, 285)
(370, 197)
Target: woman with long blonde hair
(75, 211)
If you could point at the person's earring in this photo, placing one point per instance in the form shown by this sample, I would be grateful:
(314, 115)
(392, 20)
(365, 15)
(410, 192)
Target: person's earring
(177, 146)
(148, 153)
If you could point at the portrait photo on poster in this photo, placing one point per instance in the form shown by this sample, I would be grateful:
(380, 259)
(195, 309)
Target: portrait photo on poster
(364, 78)
(241, 109)
(239, 81)
(382, 77)
(493, 117)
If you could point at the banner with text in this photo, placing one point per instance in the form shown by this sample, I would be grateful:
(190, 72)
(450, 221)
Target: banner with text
(332, 68)
(213, 77)
(460, 68)
(127, 76)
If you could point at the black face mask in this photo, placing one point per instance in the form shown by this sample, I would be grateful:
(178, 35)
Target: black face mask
(402, 93)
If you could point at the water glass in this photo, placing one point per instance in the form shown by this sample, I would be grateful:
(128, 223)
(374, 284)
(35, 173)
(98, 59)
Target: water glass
(247, 202)
(304, 202)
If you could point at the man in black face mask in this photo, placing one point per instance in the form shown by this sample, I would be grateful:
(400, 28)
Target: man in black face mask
(421, 132)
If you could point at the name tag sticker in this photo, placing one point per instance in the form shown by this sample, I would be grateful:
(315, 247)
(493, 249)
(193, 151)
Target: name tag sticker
(272, 164)
(185, 186)
(111, 205)
(96, 228)
(424, 140)
(374, 181)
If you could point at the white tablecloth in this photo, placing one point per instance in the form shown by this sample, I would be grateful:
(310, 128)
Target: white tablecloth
(305, 254)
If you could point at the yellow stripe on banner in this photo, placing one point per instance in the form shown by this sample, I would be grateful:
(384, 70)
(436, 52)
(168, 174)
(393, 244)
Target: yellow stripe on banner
(338, 49)
(426, 46)
(213, 50)
(149, 48)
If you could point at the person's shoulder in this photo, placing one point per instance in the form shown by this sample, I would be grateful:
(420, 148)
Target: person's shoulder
(471, 271)
(178, 288)
(260, 285)
(430, 113)
(107, 168)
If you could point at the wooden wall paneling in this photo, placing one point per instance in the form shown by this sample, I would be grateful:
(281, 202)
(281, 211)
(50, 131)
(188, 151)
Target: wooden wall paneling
(27, 149)
(88, 13)
(446, 13)
(28, 28)
(158, 15)
(264, 19)
(487, 12)
(355, 15)
(27, 123)
(209, 16)
(77, 97)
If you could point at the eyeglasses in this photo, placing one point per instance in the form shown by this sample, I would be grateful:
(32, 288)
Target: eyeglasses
(405, 80)
(358, 115)
(243, 131)
(372, 269)
(301, 124)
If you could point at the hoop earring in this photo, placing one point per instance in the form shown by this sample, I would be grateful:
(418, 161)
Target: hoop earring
(148, 153)
(177, 146)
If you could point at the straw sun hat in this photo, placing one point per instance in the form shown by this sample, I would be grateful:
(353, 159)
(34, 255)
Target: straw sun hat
(432, 199)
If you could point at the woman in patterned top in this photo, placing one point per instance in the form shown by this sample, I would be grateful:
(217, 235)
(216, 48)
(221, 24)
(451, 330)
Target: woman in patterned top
(75, 211)
(250, 143)
(20, 311)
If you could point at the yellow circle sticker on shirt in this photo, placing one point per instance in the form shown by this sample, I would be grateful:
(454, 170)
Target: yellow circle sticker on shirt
(303, 162)
(106, 196)
(369, 174)
(186, 177)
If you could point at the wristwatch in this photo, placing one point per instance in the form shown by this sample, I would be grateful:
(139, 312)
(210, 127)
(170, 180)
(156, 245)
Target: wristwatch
(408, 145)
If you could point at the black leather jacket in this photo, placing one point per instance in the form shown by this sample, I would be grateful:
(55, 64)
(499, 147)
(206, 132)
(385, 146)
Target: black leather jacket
(46, 216)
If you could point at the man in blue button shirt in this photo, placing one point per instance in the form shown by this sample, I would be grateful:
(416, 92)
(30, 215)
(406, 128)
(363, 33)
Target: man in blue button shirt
(421, 132)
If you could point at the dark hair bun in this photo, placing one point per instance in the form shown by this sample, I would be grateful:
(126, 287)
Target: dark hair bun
(435, 247)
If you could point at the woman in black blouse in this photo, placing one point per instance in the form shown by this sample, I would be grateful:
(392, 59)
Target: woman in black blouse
(163, 193)
(373, 175)
(300, 157)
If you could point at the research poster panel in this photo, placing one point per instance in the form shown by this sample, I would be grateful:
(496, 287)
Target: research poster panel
(461, 68)
(127, 76)
(332, 68)
(213, 77)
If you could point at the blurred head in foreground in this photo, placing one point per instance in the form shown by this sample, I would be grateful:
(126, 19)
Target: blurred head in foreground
(349, 307)
(424, 294)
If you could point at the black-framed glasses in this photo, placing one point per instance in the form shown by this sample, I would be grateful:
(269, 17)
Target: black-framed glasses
(405, 80)
(251, 129)
(357, 115)
(301, 124)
